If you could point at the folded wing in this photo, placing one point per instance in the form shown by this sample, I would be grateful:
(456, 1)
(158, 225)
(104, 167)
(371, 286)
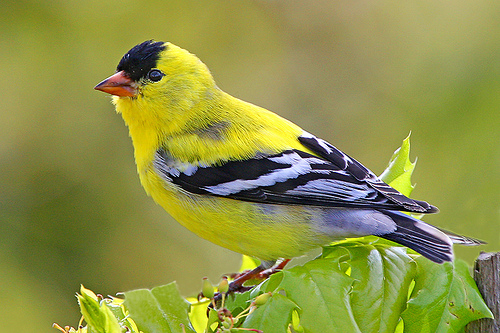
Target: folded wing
(331, 179)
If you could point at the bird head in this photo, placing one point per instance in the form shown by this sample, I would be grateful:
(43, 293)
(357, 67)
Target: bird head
(157, 73)
(160, 90)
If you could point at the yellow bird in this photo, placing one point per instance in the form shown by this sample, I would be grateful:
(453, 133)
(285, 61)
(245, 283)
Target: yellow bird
(246, 179)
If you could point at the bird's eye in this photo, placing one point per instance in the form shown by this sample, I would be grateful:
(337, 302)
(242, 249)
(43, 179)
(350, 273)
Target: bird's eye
(155, 75)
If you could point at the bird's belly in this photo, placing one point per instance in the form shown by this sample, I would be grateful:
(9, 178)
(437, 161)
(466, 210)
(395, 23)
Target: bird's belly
(265, 231)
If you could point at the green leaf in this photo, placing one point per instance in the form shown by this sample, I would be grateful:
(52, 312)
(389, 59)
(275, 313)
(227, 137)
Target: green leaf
(398, 172)
(198, 314)
(445, 298)
(115, 305)
(159, 310)
(322, 291)
(382, 273)
(98, 316)
(274, 316)
(213, 320)
(237, 302)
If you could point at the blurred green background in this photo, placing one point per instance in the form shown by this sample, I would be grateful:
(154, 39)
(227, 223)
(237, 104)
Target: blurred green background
(360, 74)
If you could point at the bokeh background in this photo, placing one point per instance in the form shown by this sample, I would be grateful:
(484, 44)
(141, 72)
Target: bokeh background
(360, 74)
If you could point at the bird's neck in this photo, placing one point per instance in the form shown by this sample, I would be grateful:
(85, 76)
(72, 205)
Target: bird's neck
(215, 129)
(154, 125)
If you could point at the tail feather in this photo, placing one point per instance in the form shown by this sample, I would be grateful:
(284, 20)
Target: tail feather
(429, 208)
(462, 240)
(427, 240)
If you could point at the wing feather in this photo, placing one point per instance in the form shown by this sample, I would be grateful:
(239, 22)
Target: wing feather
(291, 177)
(361, 173)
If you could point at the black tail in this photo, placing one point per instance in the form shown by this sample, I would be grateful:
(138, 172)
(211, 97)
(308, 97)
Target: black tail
(427, 240)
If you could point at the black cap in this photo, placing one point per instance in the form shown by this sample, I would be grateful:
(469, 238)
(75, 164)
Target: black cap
(137, 62)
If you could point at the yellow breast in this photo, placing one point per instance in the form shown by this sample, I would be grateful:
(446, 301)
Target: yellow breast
(264, 231)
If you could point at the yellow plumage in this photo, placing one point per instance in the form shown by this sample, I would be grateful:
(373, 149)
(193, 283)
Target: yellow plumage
(197, 123)
(243, 177)
(188, 115)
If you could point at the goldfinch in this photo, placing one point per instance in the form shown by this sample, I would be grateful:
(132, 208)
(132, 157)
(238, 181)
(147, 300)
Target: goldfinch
(246, 179)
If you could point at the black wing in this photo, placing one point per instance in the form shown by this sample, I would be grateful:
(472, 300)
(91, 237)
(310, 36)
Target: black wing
(291, 177)
(361, 173)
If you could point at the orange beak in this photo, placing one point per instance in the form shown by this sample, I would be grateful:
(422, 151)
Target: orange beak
(118, 84)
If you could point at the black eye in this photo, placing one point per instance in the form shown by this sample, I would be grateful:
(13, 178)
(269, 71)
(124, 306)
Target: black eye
(155, 75)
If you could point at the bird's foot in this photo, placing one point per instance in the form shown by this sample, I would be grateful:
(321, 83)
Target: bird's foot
(261, 272)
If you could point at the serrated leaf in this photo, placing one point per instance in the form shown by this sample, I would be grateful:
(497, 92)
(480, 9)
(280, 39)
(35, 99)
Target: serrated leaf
(383, 273)
(398, 172)
(159, 310)
(321, 290)
(98, 316)
(445, 298)
(274, 316)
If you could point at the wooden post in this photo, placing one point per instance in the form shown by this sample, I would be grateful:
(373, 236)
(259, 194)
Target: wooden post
(487, 276)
